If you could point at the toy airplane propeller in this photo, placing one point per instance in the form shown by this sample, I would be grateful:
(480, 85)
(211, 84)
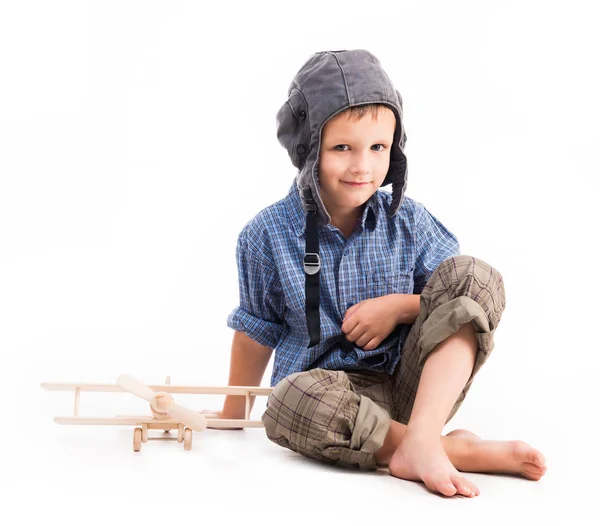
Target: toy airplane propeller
(162, 404)
(166, 414)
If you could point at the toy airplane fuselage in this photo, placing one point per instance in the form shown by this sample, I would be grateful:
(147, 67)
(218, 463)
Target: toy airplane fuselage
(159, 420)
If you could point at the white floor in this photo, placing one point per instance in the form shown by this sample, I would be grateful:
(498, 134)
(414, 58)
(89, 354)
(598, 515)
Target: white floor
(90, 475)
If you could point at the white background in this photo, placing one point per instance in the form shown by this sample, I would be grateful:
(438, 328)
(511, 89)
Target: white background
(138, 138)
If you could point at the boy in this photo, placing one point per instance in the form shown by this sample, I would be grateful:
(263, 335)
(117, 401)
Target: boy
(378, 322)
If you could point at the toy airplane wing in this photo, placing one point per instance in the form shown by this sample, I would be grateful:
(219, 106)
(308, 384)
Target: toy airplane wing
(166, 414)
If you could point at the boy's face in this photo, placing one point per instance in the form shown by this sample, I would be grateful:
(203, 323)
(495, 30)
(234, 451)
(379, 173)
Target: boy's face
(354, 152)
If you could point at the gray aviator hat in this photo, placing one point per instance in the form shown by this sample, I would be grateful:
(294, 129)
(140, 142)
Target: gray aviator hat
(330, 82)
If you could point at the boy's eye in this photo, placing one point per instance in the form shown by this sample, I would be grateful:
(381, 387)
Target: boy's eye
(378, 144)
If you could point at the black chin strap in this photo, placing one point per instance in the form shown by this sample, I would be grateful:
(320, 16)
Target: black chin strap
(312, 267)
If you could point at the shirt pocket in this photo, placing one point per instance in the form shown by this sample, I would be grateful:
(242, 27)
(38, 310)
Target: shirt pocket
(379, 283)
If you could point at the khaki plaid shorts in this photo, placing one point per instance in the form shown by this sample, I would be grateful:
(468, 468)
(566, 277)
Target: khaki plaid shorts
(342, 417)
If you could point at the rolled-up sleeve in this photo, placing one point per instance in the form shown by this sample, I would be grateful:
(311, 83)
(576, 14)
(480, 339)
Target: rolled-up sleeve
(434, 244)
(260, 312)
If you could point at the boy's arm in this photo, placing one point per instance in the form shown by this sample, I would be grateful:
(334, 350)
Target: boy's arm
(248, 362)
(408, 307)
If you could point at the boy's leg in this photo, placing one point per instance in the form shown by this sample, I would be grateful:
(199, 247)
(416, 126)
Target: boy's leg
(342, 418)
(440, 357)
(421, 455)
(337, 417)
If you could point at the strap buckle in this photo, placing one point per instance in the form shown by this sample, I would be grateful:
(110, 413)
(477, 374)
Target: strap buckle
(313, 265)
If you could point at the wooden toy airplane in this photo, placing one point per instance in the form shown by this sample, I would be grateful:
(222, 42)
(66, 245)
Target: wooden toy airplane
(166, 414)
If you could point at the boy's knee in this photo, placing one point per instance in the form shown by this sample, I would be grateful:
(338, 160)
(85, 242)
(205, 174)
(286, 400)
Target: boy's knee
(301, 407)
(472, 275)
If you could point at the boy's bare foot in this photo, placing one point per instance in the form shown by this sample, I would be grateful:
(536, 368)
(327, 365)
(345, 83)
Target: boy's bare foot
(422, 458)
(463, 433)
(495, 456)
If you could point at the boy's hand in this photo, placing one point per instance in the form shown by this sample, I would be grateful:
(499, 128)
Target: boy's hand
(371, 321)
(216, 414)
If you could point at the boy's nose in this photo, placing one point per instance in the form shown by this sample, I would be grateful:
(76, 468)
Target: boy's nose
(360, 169)
(360, 163)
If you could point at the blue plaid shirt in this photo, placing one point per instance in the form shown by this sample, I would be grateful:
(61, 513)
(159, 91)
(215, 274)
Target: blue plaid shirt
(382, 256)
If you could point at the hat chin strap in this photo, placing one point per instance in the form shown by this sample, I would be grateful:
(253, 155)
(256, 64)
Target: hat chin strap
(312, 269)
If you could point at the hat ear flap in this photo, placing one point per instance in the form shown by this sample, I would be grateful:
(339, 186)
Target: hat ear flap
(397, 169)
(403, 138)
(398, 164)
(293, 130)
(399, 98)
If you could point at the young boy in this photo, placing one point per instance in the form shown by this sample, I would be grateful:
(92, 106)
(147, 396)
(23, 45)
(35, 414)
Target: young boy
(379, 325)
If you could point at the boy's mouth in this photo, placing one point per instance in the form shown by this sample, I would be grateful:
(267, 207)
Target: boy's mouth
(354, 184)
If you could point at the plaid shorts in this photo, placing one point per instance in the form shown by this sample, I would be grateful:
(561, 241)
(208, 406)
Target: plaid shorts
(342, 417)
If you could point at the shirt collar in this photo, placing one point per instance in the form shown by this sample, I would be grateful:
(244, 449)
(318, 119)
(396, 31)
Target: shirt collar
(298, 215)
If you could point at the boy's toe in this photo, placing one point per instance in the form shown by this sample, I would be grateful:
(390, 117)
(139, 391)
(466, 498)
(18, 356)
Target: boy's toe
(538, 459)
(464, 486)
(443, 485)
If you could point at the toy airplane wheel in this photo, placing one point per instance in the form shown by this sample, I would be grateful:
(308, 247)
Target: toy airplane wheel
(187, 439)
(137, 439)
